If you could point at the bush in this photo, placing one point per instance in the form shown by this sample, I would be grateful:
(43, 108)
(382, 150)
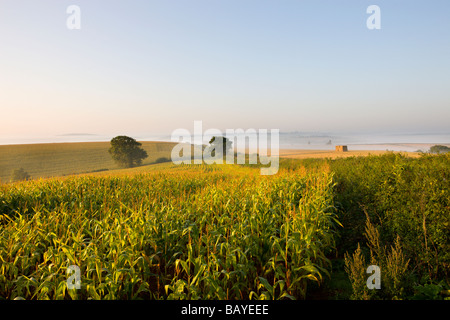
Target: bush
(162, 159)
(393, 265)
(20, 175)
(439, 149)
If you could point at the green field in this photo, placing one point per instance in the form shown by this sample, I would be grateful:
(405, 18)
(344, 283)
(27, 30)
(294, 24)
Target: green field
(225, 232)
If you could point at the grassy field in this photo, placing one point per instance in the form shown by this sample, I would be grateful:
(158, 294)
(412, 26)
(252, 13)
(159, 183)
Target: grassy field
(58, 159)
(163, 231)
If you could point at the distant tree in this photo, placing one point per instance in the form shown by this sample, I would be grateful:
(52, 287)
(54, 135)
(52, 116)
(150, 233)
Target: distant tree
(127, 152)
(19, 175)
(162, 159)
(439, 149)
(215, 144)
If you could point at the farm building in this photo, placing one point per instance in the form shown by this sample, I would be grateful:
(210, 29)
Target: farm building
(341, 148)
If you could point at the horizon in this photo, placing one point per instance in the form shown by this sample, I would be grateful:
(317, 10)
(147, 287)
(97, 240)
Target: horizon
(404, 142)
(151, 67)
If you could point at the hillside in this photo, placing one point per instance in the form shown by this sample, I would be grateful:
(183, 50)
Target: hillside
(59, 159)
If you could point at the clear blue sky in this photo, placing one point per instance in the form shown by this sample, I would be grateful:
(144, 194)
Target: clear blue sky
(139, 67)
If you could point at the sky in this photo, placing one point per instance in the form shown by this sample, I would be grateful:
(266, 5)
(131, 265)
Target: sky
(149, 67)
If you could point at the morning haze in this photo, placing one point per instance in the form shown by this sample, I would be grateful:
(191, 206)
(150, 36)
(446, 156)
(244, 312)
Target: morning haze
(146, 67)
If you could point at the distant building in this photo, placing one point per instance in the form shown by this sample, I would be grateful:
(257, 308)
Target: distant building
(341, 148)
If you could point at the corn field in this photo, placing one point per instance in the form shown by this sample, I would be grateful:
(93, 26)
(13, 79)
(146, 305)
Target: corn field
(189, 232)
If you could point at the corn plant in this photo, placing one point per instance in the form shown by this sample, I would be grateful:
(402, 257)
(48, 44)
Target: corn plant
(181, 232)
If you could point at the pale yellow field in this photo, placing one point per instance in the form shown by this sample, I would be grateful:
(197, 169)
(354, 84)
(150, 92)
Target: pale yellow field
(60, 159)
(304, 154)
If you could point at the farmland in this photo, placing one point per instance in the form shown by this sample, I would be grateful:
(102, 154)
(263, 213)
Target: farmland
(184, 232)
(226, 232)
(58, 159)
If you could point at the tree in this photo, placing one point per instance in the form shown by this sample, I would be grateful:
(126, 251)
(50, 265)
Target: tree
(220, 143)
(127, 152)
(19, 175)
(439, 149)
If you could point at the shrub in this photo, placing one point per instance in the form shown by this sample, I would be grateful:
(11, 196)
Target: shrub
(20, 175)
(439, 149)
(355, 266)
(392, 263)
(162, 159)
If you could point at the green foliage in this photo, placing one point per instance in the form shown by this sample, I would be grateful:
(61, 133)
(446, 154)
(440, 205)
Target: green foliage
(392, 263)
(427, 292)
(19, 175)
(355, 266)
(219, 144)
(432, 291)
(407, 202)
(127, 152)
(439, 149)
(170, 234)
